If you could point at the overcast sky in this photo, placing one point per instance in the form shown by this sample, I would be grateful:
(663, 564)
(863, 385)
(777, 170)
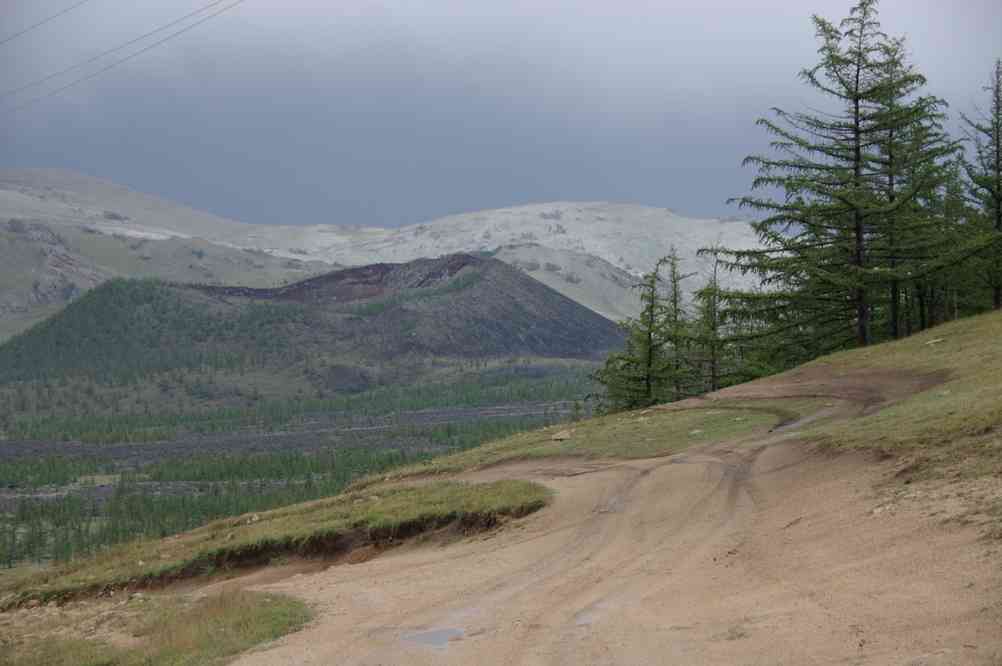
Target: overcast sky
(393, 112)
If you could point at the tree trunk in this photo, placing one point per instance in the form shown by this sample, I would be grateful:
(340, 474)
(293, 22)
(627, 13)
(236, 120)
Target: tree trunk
(895, 313)
(893, 241)
(923, 307)
(859, 258)
(862, 306)
(909, 311)
(997, 129)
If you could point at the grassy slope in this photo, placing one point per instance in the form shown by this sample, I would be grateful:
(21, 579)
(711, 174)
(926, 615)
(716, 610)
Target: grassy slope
(641, 434)
(320, 527)
(956, 421)
(173, 633)
(93, 256)
(131, 358)
(463, 306)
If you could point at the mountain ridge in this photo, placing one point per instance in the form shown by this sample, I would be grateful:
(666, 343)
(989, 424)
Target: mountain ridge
(395, 315)
(591, 252)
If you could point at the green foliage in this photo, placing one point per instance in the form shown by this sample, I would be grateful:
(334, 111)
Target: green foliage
(49, 471)
(646, 433)
(127, 329)
(669, 354)
(653, 367)
(68, 527)
(509, 383)
(984, 172)
(313, 528)
(863, 237)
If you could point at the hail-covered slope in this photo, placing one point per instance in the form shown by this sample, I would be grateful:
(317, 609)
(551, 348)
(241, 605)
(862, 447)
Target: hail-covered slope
(588, 251)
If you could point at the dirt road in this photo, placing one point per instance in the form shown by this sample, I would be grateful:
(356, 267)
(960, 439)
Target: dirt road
(754, 552)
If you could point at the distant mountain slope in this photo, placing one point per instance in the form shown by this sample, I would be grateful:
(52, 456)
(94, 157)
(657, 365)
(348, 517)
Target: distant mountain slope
(60, 196)
(629, 236)
(595, 283)
(599, 247)
(399, 317)
(44, 266)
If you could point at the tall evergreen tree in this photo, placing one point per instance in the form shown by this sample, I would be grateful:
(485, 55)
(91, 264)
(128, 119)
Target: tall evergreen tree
(834, 236)
(709, 327)
(676, 328)
(912, 164)
(633, 377)
(653, 366)
(985, 174)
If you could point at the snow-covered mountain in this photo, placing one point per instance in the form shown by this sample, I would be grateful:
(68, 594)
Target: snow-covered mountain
(590, 251)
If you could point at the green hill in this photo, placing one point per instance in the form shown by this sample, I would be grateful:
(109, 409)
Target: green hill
(928, 403)
(461, 307)
(138, 354)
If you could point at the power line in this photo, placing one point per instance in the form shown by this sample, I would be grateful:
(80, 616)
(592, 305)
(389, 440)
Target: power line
(127, 58)
(42, 22)
(79, 65)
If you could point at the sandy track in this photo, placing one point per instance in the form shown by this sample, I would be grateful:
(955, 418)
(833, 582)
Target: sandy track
(753, 552)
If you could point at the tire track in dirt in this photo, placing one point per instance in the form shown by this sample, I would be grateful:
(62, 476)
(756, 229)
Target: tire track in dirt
(746, 552)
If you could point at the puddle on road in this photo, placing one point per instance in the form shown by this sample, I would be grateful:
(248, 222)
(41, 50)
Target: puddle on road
(436, 638)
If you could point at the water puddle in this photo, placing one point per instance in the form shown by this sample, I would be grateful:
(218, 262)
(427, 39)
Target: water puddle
(590, 614)
(436, 638)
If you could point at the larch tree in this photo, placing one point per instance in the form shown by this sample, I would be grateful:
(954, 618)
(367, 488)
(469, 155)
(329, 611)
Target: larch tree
(912, 164)
(830, 200)
(676, 327)
(709, 326)
(634, 377)
(653, 366)
(985, 175)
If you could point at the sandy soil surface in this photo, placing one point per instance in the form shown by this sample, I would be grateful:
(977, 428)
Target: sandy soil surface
(753, 552)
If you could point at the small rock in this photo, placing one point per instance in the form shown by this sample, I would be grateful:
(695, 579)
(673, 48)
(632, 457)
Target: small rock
(562, 436)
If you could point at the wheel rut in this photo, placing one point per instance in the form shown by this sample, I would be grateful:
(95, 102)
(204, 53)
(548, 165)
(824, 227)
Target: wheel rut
(746, 552)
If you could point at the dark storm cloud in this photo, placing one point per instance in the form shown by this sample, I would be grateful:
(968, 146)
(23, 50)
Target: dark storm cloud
(395, 112)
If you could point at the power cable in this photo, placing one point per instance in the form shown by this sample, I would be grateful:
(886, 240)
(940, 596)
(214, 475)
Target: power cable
(25, 31)
(127, 58)
(102, 54)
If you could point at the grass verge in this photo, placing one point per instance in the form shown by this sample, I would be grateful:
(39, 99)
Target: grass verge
(319, 528)
(645, 433)
(952, 425)
(205, 632)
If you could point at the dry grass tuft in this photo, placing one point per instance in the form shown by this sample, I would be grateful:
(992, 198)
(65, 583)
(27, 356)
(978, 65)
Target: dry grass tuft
(206, 632)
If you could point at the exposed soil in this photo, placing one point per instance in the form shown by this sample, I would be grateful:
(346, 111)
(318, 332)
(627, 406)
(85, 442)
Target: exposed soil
(752, 552)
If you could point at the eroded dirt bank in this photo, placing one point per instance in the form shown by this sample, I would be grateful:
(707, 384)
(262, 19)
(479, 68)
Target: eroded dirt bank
(748, 553)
